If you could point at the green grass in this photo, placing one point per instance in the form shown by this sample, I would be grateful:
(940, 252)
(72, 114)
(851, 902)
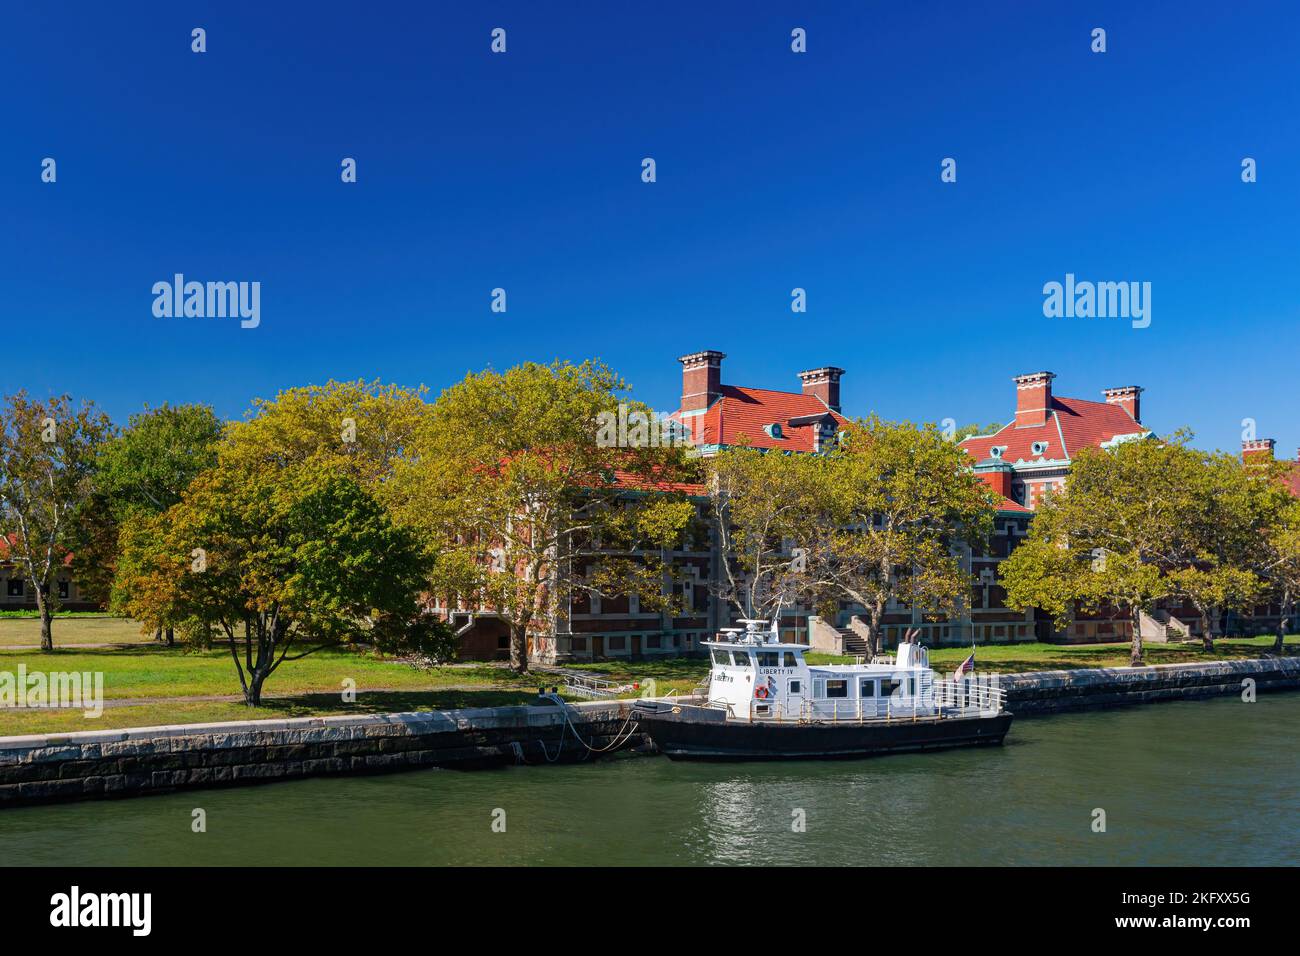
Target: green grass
(18, 630)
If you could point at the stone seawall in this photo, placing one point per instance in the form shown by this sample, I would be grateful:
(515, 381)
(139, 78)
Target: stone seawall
(118, 763)
(109, 763)
(1050, 692)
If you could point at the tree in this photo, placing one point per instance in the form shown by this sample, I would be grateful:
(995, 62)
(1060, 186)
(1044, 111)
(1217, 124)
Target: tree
(1228, 508)
(897, 500)
(140, 474)
(1129, 531)
(47, 458)
(525, 506)
(760, 506)
(274, 558)
(1277, 559)
(966, 431)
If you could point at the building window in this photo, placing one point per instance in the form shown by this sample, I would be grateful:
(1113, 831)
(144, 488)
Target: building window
(15, 587)
(579, 643)
(617, 643)
(63, 590)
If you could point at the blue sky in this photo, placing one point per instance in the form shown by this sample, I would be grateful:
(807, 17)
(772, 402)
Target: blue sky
(775, 171)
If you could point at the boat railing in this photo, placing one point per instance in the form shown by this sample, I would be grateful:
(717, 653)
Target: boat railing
(967, 697)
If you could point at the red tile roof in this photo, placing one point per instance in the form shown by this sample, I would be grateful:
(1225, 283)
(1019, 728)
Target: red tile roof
(4, 550)
(1079, 422)
(743, 414)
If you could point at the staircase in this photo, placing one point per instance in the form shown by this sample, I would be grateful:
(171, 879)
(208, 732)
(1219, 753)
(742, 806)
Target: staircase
(853, 642)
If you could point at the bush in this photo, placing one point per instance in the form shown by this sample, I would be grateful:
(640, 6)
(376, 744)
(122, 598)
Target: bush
(427, 640)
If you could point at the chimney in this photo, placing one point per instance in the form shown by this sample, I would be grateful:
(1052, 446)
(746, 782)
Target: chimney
(1126, 398)
(701, 380)
(1257, 449)
(1033, 398)
(996, 474)
(824, 383)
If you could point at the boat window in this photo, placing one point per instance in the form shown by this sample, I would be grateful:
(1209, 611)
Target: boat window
(769, 659)
(837, 688)
(720, 657)
(887, 687)
(789, 659)
(868, 688)
(794, 687)
(740, 658)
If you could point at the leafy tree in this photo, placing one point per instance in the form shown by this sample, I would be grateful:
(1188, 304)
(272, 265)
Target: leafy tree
(47, 458)
(760, 506)
(139, 474)
(1133, 528)
(523, 504)
(358, 428)
(274, 558)
(896, 499)
(1277, 559)
(967, 431)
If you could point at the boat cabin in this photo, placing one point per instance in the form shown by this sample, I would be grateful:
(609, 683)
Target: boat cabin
(754, 676)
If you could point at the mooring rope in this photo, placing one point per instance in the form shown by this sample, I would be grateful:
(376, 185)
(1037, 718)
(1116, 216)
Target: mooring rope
(623, 735)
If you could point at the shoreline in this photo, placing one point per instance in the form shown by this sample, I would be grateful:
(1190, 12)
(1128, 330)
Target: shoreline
(95, 764)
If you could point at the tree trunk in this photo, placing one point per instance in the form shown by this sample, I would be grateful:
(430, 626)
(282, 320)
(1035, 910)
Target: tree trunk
(1135, 654)
(519, 648)
(47, 617)
(171, 637)
(1207, 632)
(157, 635)
(253, 696)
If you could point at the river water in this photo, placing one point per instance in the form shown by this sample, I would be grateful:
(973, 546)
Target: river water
(1191, 783)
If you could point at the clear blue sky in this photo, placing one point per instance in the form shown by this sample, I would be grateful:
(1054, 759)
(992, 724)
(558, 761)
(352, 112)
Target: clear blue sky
(775, 170)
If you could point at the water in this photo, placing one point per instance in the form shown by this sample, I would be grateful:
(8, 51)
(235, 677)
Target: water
(1196, 783)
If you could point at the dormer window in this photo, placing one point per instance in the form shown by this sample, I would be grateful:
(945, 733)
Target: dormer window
(774, 430)
(997, 450)
(1039, 447)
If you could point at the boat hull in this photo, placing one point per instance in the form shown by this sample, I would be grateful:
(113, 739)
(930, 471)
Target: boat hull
(698, 733)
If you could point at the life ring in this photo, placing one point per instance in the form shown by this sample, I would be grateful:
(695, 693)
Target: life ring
(761, 692)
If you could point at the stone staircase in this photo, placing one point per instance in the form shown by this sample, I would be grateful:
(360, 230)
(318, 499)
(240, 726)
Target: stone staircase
(853, 642)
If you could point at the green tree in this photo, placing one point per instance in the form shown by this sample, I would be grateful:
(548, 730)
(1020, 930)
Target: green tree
(274, 558)
(1129, 531)
(526, 505)
(139, 474)
(47, 460)
(896, 501)
(967, 431)
(760, 506)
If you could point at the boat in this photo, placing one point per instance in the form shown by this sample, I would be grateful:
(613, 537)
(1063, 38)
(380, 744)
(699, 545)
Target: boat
(766, 702)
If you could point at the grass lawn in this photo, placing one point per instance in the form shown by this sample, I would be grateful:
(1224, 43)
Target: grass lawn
(71, 629)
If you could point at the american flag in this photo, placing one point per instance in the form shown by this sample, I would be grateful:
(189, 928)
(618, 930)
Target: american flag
(965, 667)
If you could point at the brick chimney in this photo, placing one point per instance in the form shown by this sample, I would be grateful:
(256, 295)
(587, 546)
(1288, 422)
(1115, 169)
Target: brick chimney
(996, 474)
(824, 383)
(701, 379)
(1033, 398)
(1257, 449)
(1127, 398)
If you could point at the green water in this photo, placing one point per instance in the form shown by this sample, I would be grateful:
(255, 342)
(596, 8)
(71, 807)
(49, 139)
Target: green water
(1196, 783)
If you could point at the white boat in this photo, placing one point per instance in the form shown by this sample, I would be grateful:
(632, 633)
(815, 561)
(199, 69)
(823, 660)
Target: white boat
(765, 701)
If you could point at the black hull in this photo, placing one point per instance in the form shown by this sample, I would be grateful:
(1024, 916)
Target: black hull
(696, 733)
